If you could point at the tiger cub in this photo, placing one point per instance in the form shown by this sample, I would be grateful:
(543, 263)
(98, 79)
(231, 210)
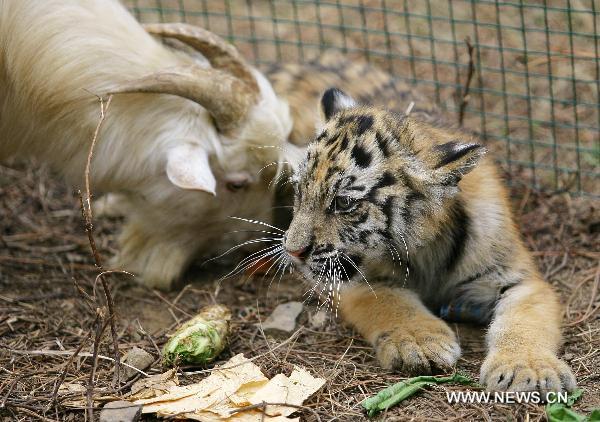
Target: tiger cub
(376, 188)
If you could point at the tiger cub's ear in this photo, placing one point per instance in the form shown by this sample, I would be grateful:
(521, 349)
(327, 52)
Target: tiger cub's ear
(452, 160)
(335, 100)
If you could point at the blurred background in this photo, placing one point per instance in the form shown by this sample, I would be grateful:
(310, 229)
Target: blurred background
(534, 94)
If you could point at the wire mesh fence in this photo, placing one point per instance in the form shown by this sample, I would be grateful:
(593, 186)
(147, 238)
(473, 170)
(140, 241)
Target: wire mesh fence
(535, 93)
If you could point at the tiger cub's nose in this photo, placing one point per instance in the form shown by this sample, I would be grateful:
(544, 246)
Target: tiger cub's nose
(299, 253)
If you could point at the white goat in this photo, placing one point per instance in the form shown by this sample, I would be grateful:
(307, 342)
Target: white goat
(182, 141)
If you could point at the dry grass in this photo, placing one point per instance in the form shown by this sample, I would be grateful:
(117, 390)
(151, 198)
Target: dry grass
(44, 319)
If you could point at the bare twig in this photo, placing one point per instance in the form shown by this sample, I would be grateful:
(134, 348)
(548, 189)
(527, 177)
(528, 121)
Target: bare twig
(86, 211)
(263, 405)
(589, 311)
(64, 372)
(103, 111)
(465, 95)
(69, 353)
(90, 386)
(31, 413)
(89, 300)
(11, 386)
(409, 108)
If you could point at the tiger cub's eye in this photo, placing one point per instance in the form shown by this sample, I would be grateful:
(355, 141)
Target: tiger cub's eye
(343, 203)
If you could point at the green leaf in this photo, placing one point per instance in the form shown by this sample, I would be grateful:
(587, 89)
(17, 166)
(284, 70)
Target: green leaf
(595, 416)
(561, 412)
(574, 396)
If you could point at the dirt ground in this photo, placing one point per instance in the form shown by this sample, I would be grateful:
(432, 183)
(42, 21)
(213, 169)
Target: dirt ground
(44, 319)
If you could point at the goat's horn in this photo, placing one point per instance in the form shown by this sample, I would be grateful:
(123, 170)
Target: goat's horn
(226, 98)
(219, 53)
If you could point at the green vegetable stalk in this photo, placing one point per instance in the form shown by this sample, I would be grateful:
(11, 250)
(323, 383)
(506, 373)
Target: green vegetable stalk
(396, 393)
(201, 339)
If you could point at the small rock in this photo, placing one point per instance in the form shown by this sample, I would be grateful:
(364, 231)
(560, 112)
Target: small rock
(120, 411)
(137, 358)
(283, 318)
(318, 319)
(568, 356)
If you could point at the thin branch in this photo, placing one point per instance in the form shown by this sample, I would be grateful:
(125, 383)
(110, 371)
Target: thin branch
(31, 413)
(86, 211)
(69, 353)
(90, 386)
(63, 375)
(263, 405)
(589, 312)
(465, 95)
(103, 111)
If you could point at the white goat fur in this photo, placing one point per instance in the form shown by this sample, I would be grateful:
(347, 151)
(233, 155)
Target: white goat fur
(55, 55)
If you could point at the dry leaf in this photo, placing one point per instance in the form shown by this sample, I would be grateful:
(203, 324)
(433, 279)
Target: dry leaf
(293, 390)
(155, 385)
(235, 385)
(212, 393)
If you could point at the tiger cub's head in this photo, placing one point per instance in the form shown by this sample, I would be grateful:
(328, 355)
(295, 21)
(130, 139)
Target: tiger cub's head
(369, 182)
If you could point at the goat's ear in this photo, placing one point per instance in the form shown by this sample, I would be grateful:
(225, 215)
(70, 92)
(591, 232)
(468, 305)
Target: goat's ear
(335, 100)
(188, 168)
(452, 160)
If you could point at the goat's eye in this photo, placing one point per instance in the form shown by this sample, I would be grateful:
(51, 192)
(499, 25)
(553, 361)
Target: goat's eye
(236, 186)
(343, 203)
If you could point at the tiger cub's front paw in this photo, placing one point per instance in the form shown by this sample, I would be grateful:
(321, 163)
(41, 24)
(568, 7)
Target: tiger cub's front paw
(414, 349)
(521, 371)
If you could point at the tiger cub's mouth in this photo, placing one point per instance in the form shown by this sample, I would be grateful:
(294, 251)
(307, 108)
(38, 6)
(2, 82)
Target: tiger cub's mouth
(325, 265)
